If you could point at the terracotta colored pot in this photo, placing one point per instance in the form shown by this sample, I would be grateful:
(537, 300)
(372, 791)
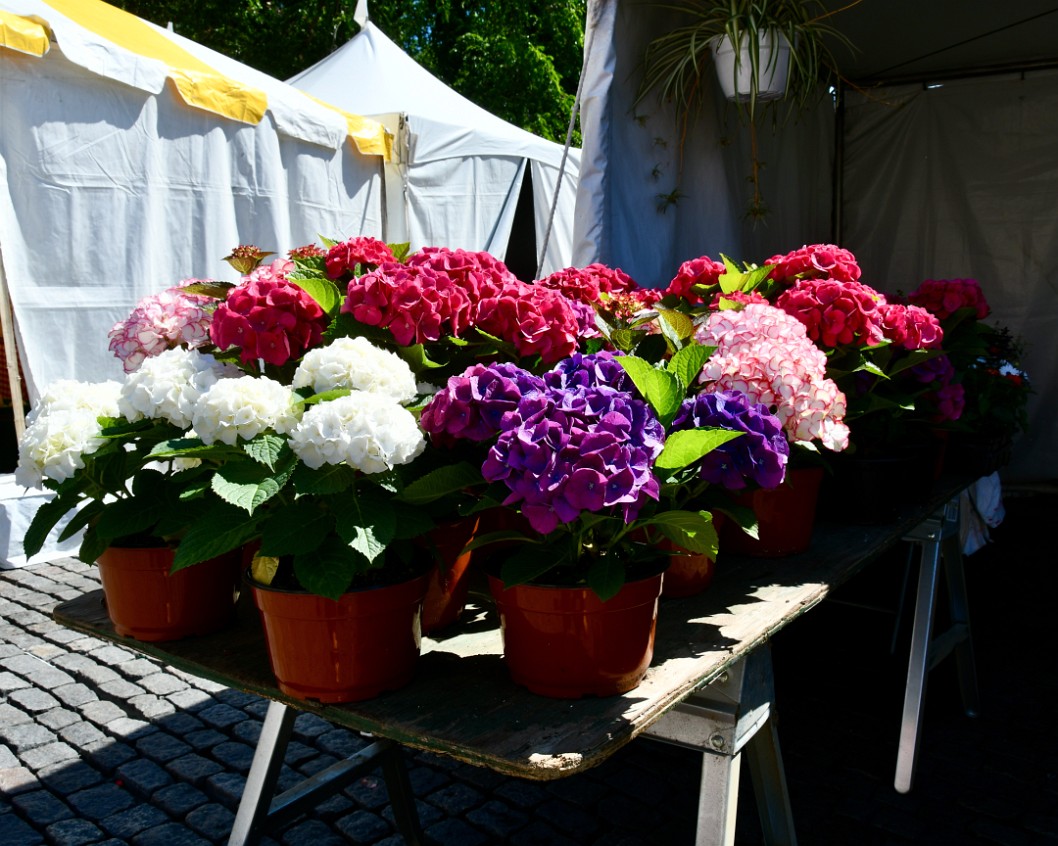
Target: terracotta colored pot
(786, 516)
(688, 574)
(146, 602)
(354, 648)
(446, 593)
(567, 643)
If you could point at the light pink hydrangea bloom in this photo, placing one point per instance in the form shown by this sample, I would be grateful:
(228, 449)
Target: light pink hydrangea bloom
(766, 353)
(158, 323)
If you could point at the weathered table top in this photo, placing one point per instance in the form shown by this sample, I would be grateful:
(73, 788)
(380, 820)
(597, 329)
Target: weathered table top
(462, 702)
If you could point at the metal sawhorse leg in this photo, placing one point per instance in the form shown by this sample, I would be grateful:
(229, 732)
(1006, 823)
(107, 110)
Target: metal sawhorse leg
(259, 811)
(728, 716)
(939, 538)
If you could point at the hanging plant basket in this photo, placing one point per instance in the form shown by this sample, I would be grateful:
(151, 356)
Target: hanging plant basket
(734, 68)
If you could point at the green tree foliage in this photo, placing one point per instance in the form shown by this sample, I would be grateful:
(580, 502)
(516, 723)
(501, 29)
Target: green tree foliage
(519, 60)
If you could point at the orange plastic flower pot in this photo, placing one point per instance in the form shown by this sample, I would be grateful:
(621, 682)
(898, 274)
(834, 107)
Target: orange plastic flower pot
(146, 602)
(688, 574)
(567, 643)
(449, 586)
(786, 516)
(347, 650)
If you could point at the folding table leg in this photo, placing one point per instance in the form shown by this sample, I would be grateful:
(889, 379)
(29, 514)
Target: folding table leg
(401, 797)
(264, 774)
(718, 800)
(769, 786)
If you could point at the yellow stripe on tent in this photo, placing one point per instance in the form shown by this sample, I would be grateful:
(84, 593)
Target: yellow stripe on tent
(199, 84)
(370, 136)
(24, 35)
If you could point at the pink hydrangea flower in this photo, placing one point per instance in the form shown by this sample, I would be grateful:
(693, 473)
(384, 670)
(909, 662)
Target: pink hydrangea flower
(369, 253)
(586, 284)
(835, 313)
(944, 297)
(538, 321)
(817, 261)
(910, 326)
(268, 318)
(766, 354)
(480, 274)
(158, 323)
(699, 271)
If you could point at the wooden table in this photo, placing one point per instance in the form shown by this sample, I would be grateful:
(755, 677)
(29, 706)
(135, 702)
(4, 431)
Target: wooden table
(462, 703)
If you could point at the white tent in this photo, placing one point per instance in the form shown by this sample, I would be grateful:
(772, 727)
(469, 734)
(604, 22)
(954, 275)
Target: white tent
(131, 158)
(460, 167)
(942, 164)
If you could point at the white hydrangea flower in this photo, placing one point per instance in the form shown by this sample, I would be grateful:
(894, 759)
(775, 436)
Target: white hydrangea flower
(170, 384)
(371, 433)
(54, 445)
(98, 398)
(356, 364)
(243, 408)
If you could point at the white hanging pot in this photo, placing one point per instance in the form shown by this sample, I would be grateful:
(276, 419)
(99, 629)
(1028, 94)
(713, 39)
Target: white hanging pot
(773, 64)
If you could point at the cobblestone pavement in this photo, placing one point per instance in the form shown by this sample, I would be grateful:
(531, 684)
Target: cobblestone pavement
(101, 746)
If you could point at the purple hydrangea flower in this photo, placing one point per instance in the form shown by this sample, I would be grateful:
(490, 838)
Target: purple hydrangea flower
(474, 404)
(759, 456)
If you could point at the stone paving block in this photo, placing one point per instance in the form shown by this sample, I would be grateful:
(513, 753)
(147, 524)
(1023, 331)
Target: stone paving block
(86, 644)
(130, 822)
(169, 834)
(523, 793)
(179, 724)
(129, 728)
(162, 746)
(121, 689)
(428, 814)
(69, 777)
(162, 684)
(74, 832)
(111, 655)
(190, 699)
(33, 699)
(213, 821)
(151, 707)
(14, 780)
(226, 788)
(221, 716)
(45, 756)
(312, 833)
(298, 754)
(309, 726)
(142, 776)
(12, 716)
(47, 651)
(88, 669)
(99, 802)
(456, 799)
(569, 818)
(363, 827)
(249, 731)
(58, 718)
(40, 673)
(178, 799)
(341, 743)
(539, 833)
(498, 819)
(236, 756)
(63, 636)
(237, 698)
(81, 733)
(13, 830)
(108, 755)
(193, 768)
(22, 638)
(455, 832)
(102, 712)
(23, 736)
(315, 765)
(425, 779)
(204, 739)
(368, 792)
(7, 758)
(207, 685)
(74, 695)
(9, 682)
(138, 668)
(41, 806)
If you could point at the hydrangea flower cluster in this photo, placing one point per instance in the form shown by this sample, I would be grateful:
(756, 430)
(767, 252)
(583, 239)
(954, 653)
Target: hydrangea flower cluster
(587, 284)
(244, 408)
(63, 428)
(766, 354)
(370, 432)
(170, 385)
(835, 313)
(157, 323)
(758, 457)
(268, 317)
(698, 271)
(946, 397)
(477, 273)
(827, 261)
(571, 444)
(356, 364)
(910, 326)
(944, 297)
(475, 405)
(342, 259)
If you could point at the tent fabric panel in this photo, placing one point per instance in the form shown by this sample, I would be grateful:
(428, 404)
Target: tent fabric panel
(472, 199)
(559, 250)
(22, 34)
(108, 194)
(960, 182)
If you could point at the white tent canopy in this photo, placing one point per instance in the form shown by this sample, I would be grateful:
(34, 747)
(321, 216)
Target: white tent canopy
(461, 167)
(957, 178)
(131, 158)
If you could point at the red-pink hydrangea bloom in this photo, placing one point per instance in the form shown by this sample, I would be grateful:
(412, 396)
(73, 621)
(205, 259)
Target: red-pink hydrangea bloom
(537, 320)
(910, 326)
(268, 318)
(365, 251)
(944, 297)
(480, 274)
(766, 354)
(698, 271)
(835, 313)
(158, 323)
(586, 284)
(817, 261)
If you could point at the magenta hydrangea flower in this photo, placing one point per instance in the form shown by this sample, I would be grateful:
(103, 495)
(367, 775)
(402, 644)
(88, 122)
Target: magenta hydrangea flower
(268, 318)
(160, 322)
(826, 261)
(536, 320)
(342, 259)
(759, 456)
(911, 327)
(835, 313)
(698, 271)
(586, 284)
(480, 274)
(944, 297)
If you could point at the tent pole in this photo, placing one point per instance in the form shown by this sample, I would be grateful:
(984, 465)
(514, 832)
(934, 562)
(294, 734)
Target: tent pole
(14, 377)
